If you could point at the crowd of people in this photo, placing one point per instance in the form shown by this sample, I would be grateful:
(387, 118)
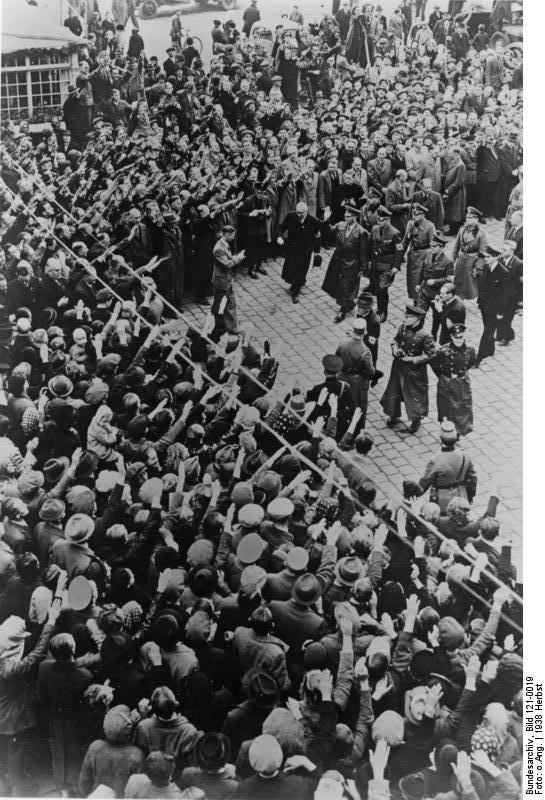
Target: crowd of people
(203, 593)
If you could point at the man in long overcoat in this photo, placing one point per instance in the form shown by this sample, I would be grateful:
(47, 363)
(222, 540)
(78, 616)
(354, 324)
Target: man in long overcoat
(222, 280)
(412, 349)
(170, 279)
(348, 262)
(302, 232)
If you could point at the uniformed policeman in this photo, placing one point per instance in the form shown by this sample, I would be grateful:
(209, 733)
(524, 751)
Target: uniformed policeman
(386, 253)
(357, 369)
(450, 473)
(332, 384)
(418, 239)
(451, 364)
(412, 349)
(366, 310)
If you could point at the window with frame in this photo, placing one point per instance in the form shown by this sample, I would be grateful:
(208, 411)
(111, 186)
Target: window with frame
(14, 95)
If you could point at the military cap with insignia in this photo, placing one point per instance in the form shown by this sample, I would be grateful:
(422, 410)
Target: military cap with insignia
(332, 364)
(415, 311)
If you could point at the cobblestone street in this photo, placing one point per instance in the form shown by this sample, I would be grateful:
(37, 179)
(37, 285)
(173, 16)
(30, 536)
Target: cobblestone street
(301, 334)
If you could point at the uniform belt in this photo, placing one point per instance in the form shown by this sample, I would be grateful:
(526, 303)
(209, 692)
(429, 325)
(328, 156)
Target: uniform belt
(468, 252)
(414, 249)
(450, 486)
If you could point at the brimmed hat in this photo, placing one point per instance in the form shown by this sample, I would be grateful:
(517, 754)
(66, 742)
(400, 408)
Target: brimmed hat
(60, 385)
(261, 688)
(79, 528)
(54, 468)
(51, 510)
(306, 590)
(86, 465)
(348, 570)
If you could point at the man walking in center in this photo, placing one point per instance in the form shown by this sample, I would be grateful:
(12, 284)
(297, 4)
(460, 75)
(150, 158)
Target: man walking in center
(224, 307)
(412, 349)
(300, 232)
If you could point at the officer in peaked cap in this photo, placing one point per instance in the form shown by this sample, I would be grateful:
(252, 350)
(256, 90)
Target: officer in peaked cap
(418, 237)
(451, 365)
(412, 349)
(437, 269)
(386, 254)
(332, 384)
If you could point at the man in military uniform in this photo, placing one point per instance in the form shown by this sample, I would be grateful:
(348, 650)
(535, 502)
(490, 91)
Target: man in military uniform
(436, 270)
(332, 384)
(348, 262)
(418, 238)
(357, 369)
(385, 253)
(451, 364)
(412, 349)
(450, 473)
(493, 292)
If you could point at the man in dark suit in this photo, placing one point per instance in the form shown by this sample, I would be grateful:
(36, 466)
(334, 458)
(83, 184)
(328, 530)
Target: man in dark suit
(488, 172)
(510, 159)
(493, 286)
(303, 244)
(187, 101)
(379, 170)
(513, 291)
(328, 194)
(432, 202)
(450, 310)
(343, 19)
(169, 65)
(224, 306)
(494, 68)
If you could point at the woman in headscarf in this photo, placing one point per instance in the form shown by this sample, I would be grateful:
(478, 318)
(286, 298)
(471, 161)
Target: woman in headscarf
(102, 435)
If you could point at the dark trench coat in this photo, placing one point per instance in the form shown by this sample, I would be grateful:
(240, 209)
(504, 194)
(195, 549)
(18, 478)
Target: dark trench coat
(349, 260)
(454, 400)
(408, 382)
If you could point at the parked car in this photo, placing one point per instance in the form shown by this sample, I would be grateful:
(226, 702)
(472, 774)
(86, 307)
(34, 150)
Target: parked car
(149, 8)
